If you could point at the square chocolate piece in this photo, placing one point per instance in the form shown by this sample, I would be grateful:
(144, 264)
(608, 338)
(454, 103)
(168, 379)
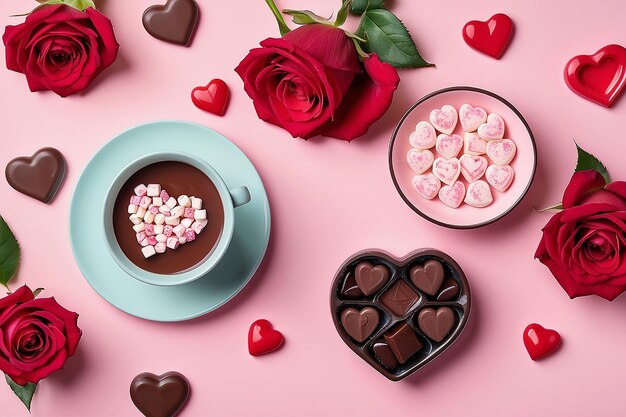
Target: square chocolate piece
(403, 342)
(399, 298)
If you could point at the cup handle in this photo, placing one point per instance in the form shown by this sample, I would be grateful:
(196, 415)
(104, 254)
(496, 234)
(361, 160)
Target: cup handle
(240, 196)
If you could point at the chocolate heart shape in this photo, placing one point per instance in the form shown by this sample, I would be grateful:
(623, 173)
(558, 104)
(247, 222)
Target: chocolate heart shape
(212, 98)
(491, 37)
(159, 395)
(428, 277)
(371, 278)
(263, 338)
(38, 176)
(173, 22)
(539, 341)
(385, 328)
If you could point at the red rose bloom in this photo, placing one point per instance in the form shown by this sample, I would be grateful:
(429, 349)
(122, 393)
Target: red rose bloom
(37, 336)
(60, 48)
(584, 244)
(310, 82)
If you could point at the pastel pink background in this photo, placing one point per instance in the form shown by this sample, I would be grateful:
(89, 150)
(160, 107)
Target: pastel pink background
(330, 199)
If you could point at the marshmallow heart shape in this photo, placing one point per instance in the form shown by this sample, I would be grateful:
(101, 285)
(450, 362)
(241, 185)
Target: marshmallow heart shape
(501, 152)
(473, 167)
(452, 195)
(472, 117)
(474, 145)
(420, 161)
(493, 129)
(449, 146)
(444, 119)
(500, 177)
(426, 185)
(478, 194)
(447, 170)
(424, 136)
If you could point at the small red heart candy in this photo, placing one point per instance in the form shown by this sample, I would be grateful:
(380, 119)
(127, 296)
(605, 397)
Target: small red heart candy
(540, 342)
(212, 98)
(262, 338)
(491, 37)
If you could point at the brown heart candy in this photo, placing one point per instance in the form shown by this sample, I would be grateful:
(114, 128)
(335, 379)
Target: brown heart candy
(173, 22)
(371, 278)
(428, 277)
(159, 395)
(39, 176)
(419, 310)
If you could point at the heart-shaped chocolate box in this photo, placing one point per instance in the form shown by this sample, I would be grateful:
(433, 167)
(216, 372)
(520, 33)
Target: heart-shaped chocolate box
(414, 323)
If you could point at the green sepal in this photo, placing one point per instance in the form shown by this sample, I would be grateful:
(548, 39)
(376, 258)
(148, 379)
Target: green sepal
(24, 392)
(588, 161)
(9, 253)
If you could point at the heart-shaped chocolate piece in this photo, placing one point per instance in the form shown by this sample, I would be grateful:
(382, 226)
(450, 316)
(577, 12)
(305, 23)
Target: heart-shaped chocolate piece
(38, 176)
(371, 278)
(159, 395)
(212, 98)
(401, 326)
(173, 22)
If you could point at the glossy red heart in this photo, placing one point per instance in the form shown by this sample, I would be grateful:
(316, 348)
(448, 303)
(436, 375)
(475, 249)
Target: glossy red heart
(539, 341)
(212, 98)
(262, 338)
(600, 77)
(490, 37)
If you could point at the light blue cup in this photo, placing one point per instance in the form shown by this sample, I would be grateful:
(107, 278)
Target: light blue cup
(231, 198)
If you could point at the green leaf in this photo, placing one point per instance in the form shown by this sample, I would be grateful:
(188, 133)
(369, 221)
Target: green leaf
(358, 7)
(9, 253)
(389, 39)
(306, 17)
(556, 207)
(24, 392)
(588, 161)
(282, 25)
(342, 14)
(77, 4)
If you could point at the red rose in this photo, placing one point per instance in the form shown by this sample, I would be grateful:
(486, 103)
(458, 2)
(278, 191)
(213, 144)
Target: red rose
(584, 244)
(60, 48)
(37, 336)
(310, 82)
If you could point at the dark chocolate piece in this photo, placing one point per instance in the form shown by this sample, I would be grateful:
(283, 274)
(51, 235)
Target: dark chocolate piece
(360, 324)
(436, 324)
(38, 176)
(350, 288)
(403, 342)
(385, 355)
(428, 277)
(173, 22)
(371, 278)
(449, 290)
(399, 298)
(159, 396)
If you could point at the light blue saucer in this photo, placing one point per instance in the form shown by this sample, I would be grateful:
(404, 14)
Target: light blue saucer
(184, 302)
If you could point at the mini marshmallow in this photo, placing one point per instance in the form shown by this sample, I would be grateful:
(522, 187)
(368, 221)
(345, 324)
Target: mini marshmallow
(164, 209)
(144, 242)
(149, 217)
(152, 240)
(159, 218)
(203, 222)
(140, 237)
(184, 201)
(186, 222)
(148, 251)
(172, 221)
(157, 201)
(173, 243)
(178, 211)
(136, 219)
(139, 227)
(168, 230)
(158, 229)
(149, 230)
(189, 213)
(190, 235)
(145, 202)
(154, 210)
(200, 215)
(179, 230)
(161, 238)
(164, 196)
(182, 240)
(160, 247)
(154, 190)
(141, 211)
(171, 202)
(141, 190)
(132, 209)
(197, 227)
(135, 200)
(196, 203)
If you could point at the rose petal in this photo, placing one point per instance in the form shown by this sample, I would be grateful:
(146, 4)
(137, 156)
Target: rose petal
(581, 183)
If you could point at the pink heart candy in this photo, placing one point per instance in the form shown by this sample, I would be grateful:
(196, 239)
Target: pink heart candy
(452, 195)
(447, 170)
(478, 194)
(473, 167)
(444, 119)
(493, 129)
(500, 177)
(426, 185)
(424, 136)
(472, 117)
(501, 152)
(420, 161)
(449, 146)
(474, 145)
